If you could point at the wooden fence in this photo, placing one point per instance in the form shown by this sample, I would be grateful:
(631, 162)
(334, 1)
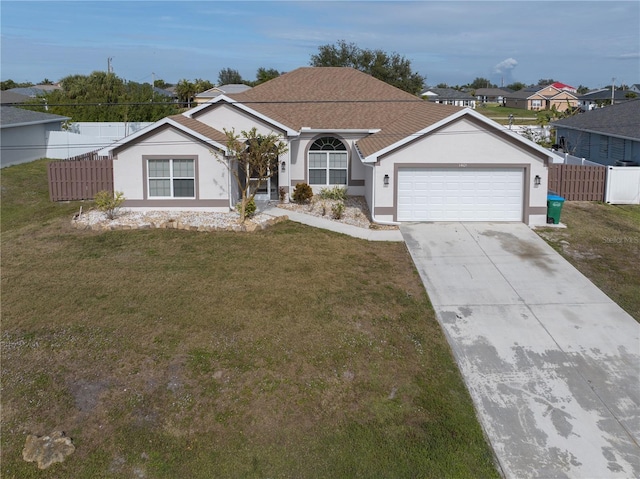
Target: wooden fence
(578, 182)
(79, 179)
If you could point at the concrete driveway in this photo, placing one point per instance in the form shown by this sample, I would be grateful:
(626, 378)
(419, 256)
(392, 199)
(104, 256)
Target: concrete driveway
(552, 364)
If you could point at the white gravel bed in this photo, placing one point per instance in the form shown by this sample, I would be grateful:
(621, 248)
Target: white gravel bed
(355, 213)
(190, 220)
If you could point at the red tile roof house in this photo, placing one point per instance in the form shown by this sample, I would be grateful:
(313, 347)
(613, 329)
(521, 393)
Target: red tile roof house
(411, 159)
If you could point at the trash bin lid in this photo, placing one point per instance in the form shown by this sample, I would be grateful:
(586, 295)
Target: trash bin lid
(554, 198)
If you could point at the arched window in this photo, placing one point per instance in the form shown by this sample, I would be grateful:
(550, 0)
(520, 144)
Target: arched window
(328, 162)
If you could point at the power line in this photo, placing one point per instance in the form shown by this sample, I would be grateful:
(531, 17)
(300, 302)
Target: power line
(249, 102)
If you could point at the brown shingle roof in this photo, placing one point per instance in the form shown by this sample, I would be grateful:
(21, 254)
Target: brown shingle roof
(201, 128)
(343, 98)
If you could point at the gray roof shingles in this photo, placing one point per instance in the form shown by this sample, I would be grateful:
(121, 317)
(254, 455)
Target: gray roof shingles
(10, 116)
(620, 120)
(450, 94)
(10, 97)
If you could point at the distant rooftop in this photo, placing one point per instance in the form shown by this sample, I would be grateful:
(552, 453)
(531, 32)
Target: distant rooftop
(620, 120)
(11, 117)
(229, 89)
(10, 97)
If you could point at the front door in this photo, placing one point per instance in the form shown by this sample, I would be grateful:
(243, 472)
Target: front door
(268, 189)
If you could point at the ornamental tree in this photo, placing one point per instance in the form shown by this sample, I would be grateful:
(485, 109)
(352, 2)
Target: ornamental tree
(252, 158)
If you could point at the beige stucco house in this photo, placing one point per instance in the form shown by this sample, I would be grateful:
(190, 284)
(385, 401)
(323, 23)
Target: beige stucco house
(412, 160)
(541, 98)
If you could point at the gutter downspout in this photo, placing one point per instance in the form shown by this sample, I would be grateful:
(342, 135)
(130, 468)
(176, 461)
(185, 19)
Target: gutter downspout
(373, 198)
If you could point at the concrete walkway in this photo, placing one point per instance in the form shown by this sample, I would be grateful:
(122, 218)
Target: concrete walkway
(336, 226)
(552, 364)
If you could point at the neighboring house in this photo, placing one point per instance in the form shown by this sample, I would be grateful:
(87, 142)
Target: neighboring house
(564, 87)
(412, 160)
(12, 98)
(229, 89)
(449, 96)
(166, 93)
(602, 97)
(492, 95)
(541, 98)
(609, 135)
(36, 90)
(24, 134)
(635, 88)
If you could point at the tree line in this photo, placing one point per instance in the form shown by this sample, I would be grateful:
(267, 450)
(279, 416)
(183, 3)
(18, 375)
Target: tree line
(103, 96)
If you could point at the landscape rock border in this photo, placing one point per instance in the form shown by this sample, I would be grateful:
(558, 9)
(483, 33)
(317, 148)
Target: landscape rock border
(179, 220)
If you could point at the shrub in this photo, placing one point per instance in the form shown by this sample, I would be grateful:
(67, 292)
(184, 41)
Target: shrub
(249, 208)
(109, 202)
(337, 210)
(336, 193)
(302, 193)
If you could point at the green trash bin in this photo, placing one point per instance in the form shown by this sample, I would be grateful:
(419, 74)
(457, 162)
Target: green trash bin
(554, 208)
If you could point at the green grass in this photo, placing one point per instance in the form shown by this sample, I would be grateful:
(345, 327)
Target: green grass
(291, 352)
(603, 242)
(501, 114)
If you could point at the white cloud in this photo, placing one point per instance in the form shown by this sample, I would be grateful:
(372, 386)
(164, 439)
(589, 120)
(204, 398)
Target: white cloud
(505, 65)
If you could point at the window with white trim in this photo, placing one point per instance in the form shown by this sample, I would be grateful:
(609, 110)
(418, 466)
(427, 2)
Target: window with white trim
(536, 103)
(174, 178)
(328, 162)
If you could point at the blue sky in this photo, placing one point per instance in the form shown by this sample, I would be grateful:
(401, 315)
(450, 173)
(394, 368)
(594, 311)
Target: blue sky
(452, 42)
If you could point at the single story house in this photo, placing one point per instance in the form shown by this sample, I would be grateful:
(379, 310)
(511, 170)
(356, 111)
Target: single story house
(449, 96)
(36, 90)
(165, 93)
(541, 98)
(228, 89)
(492, 95)
(24, 134)
(412, 160)
(609, 135)
(602, 97)
(564, 87)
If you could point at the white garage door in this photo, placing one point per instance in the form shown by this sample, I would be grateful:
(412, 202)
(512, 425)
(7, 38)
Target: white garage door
(460, 194)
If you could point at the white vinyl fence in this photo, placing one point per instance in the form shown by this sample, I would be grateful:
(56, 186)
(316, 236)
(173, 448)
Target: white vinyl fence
(83, 137)
(623, 185)
(112, 130)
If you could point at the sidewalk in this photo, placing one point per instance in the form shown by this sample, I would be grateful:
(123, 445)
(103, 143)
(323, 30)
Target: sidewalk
(336, 226)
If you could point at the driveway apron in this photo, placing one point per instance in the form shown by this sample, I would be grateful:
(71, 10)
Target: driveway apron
(552, 364)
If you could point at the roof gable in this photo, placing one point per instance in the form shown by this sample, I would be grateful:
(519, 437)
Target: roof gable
(486, 123)
(191, 127)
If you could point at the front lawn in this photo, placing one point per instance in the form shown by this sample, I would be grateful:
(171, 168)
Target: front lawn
(603, 242)
(501, 114)
(291, 352)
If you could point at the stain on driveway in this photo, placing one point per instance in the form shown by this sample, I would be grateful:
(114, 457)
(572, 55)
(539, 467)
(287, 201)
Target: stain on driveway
(552, 364)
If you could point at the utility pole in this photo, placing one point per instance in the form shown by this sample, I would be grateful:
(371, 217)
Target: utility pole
(109, 66)
(613, 81)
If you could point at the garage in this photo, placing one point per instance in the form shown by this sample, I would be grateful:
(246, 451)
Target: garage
(460, 194)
